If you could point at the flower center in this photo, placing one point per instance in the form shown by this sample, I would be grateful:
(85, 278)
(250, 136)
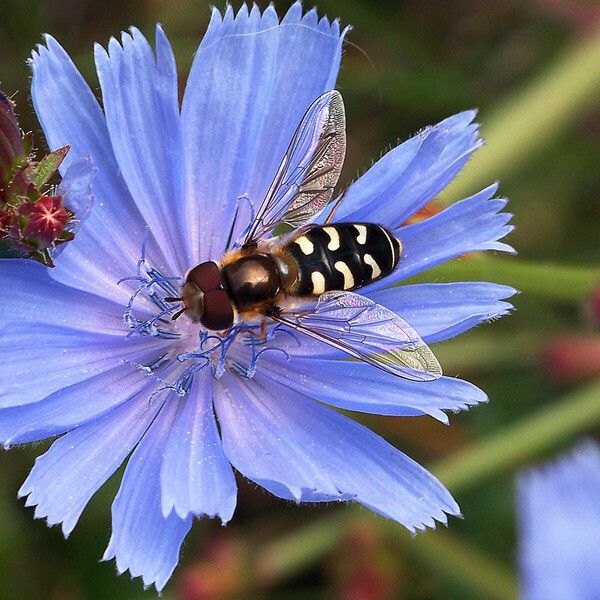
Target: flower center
(190, 348)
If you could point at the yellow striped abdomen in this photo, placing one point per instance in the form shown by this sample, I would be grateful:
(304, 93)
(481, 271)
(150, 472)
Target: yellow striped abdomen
(343, 256)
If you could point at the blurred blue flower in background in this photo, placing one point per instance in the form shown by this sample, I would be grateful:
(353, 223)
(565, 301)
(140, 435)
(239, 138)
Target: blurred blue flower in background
(559, 513)
(86, 355)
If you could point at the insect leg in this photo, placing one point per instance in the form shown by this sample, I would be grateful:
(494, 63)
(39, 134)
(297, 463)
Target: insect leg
(178, 314)
(263, 331)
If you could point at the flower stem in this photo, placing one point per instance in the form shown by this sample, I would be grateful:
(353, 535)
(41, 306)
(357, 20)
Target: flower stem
(482, 351)
(301, 548)
(455, 560)
(529, 120)
(523, 441)
(555, 282)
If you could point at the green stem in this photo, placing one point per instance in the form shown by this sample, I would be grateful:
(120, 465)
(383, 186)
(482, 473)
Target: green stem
(554, 282)
(526, 440)
(301, 548)
(482, 351)
(461, 563)
(525, 123)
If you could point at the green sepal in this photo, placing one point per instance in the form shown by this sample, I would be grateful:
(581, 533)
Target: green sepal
(41, 173)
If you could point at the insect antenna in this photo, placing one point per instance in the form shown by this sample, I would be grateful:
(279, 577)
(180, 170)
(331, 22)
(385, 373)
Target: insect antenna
(233, 224)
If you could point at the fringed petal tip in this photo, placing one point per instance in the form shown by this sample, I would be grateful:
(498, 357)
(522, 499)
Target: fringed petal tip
(147, 582)
(172, 508)
(413, 173)
(324, 456)
(46, 50)
(196, 478)
(234, 23)
(449, 309)
(40, 512)
(157, 576)
(459, 404)
(440, 517)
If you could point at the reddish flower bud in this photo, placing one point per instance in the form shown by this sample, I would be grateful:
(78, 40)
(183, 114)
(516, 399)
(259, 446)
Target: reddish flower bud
(43, 221)
(33, 223)
(362, 568)
(12, 149)
(572, 359)
(219, 576)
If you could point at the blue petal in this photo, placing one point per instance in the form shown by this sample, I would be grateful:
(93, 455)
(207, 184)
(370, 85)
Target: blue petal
(560, 528)
(76, 187)
(139, 93)
(30, 295)
(371, 390)
(109, 244)
(196, 477)
(142, 540)
(56, 336)
(251, 81)
(65, 410)
(300, 450)
(439, 311)
(64, 479)
(471, 225)
(412, 174)
(39, 361)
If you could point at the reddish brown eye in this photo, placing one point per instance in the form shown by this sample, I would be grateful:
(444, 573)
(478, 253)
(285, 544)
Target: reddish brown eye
(205, 276)
(218, 310)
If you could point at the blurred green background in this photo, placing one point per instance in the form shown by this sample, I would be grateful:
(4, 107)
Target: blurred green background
(533, 69)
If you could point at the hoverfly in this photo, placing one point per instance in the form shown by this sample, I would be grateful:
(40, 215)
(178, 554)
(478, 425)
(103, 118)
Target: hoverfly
(257, 280)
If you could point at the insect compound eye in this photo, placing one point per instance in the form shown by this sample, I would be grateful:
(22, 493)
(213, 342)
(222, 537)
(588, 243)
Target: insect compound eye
(205, 276)
(218, 310)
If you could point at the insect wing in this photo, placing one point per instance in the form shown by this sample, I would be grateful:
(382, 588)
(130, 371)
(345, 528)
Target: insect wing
(309, 171)
(369, 332)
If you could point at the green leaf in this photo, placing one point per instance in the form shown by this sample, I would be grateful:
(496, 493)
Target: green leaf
(41, 173)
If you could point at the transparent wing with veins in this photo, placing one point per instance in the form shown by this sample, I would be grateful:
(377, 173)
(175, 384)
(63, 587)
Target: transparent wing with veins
(367, 331)
(309, 171)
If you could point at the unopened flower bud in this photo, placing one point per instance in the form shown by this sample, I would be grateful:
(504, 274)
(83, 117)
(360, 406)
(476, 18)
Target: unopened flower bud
(41, 222)
(572, 359)
(219, 576)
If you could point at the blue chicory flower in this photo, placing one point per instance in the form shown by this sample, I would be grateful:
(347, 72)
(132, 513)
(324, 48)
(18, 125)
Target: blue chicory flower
(559, 517)
(86, 356)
